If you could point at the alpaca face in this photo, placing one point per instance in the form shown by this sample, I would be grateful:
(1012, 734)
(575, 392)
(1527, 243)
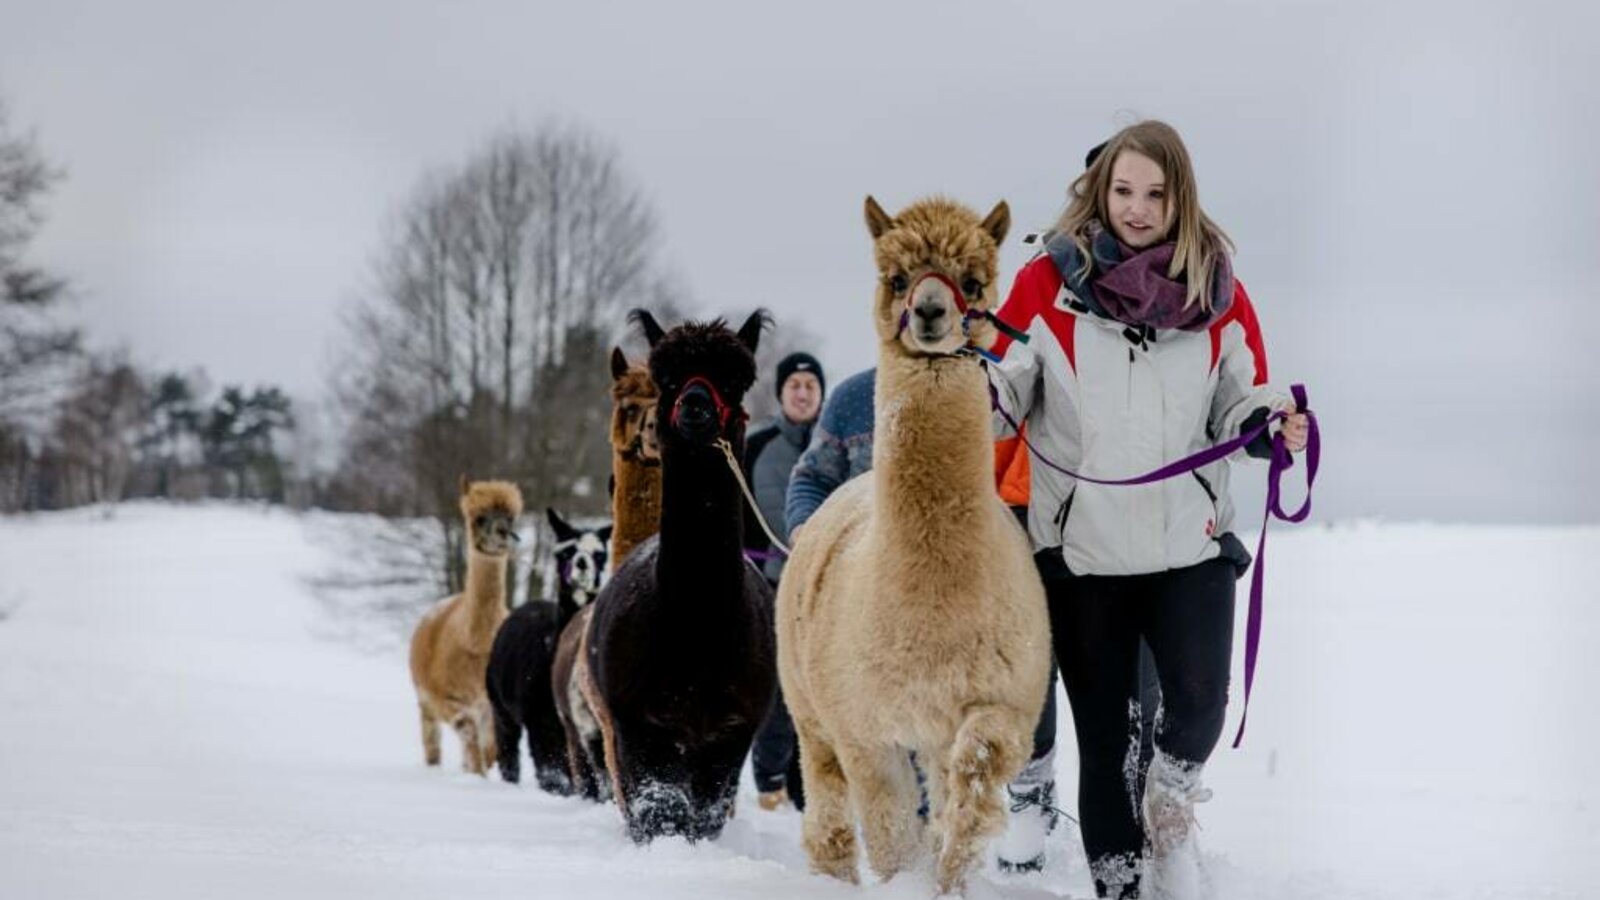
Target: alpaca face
(492, 532)
(936, 270)
(490, 510)
(633, 413)
(580, 557)
(581, 565)
(634, 424)
(703, 370)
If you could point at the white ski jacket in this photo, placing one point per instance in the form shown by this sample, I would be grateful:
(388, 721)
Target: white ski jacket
(1111, 402)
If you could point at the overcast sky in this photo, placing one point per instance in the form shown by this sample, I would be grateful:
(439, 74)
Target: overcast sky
(1412, 187)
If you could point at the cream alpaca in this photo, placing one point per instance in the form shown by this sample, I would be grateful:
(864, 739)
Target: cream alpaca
(450, 648)
(910, 616)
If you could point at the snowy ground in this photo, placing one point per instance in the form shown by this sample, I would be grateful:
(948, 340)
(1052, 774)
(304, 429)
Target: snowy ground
(176, 720)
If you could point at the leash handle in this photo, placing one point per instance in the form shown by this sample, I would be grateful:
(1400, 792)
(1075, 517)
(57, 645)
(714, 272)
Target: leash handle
(738, 474)
(1282, 461)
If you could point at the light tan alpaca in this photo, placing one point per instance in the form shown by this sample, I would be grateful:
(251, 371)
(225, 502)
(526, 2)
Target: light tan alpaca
(635, 516)
(450, 648)
(910, 616)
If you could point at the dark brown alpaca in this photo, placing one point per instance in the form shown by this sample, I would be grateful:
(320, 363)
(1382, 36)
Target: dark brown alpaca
(636, 514)
(680, 646)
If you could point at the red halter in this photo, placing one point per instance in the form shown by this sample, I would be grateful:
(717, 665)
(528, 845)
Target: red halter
(724, 411)
(967, 313)
(961, 301)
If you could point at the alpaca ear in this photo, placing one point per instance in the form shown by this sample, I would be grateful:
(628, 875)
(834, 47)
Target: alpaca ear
(878, 221)
(652, 329)
(564, 532)
(998, 222)
(604, 534)
(465, 484)
(619, 363)
(750, 331)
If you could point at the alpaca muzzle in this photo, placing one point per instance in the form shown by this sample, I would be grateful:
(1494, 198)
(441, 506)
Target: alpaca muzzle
(700, 410)
(933, 307)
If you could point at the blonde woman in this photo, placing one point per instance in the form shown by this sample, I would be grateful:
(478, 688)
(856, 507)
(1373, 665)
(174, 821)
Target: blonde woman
(1142, 350)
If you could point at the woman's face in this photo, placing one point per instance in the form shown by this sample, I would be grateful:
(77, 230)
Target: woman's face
(1136, 202)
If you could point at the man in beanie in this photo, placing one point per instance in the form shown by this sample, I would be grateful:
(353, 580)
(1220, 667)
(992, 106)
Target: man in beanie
(770, 454)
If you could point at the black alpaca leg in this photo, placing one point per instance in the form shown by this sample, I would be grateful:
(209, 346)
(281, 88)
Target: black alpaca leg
(547, 745)
(508, 740)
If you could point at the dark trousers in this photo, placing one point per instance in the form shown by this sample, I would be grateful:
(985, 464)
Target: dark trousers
(1186, 618)
(775, 754)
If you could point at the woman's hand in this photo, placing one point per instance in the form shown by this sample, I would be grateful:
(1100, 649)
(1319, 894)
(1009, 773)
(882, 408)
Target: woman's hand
(1296, 429)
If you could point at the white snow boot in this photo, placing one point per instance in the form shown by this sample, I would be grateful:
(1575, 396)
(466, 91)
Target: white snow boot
(1171, 790)
(1032, 816)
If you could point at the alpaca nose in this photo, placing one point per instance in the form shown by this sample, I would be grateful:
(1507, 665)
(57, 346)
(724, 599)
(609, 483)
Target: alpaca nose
(696, 412)
(931, 301)
(929, 311)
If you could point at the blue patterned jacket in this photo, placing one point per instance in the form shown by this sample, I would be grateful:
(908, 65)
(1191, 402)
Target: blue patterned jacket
(841, 448)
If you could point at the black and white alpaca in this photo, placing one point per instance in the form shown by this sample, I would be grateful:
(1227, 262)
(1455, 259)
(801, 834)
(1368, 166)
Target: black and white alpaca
(518, 677)
(680, 649)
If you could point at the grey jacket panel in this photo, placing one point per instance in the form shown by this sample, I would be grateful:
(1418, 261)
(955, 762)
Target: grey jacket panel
(769, 481)
(1098, 403)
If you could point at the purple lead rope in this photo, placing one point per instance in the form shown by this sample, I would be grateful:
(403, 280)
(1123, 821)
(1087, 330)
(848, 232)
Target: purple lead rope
(1281, 462)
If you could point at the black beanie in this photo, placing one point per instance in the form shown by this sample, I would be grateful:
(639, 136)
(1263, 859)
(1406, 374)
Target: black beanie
(1094, 153)
(798, 362)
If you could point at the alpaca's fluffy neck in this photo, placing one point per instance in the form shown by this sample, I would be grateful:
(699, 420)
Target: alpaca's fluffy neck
(701, 525)
(635, 505)
(932, 454)
(485, 592)
(569, 600)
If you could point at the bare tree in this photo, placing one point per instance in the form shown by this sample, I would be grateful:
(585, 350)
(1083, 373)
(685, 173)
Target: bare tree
(98, 431)
(35, 349)
(499, 290)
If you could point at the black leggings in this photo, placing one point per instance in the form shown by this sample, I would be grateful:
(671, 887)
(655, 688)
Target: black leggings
(1186, 617)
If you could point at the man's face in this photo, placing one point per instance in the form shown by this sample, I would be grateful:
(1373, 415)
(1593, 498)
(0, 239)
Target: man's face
(801, 398)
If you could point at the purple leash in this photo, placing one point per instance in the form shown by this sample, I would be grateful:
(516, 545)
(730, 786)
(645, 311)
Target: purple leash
(1282, 460)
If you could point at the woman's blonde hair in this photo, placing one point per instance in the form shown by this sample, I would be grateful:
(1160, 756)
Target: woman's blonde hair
(1199, 239)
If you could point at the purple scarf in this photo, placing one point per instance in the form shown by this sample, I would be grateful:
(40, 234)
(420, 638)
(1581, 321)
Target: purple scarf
(1132, 287)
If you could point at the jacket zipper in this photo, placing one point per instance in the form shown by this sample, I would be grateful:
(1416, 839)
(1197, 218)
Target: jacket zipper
(1061, 514)
(1130, 379)
(1206, 486)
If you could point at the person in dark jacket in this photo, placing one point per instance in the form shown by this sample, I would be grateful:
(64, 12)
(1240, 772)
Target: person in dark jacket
(771, 452)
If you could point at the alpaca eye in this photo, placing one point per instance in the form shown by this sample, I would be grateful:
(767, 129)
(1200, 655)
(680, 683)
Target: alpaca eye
(898, 284)
(478, 523)
(971, 287)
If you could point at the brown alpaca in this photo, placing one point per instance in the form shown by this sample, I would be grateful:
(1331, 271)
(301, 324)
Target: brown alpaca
(910, 616)
(635, 457)
(450, 648)
(636, 516)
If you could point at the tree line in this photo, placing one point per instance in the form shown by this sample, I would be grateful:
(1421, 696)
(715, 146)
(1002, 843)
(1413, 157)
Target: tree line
(479, 346)
(79, 426)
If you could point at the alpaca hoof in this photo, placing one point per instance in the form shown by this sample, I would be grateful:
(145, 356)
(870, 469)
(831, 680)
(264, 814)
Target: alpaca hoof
(835, 856)
(842, 870)
(953, 885)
